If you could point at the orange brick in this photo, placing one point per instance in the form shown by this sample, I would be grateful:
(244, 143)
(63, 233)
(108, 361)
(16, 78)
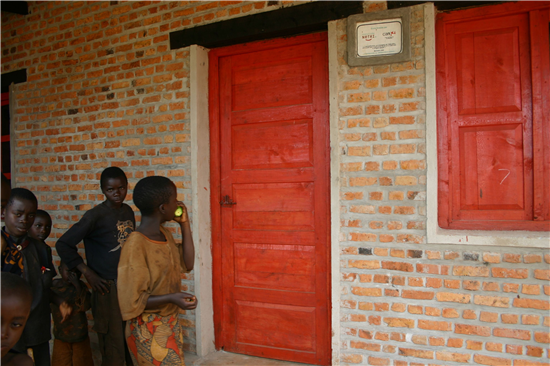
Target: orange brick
(492, 361)
(512, 333)
(408, 352)
(434, 325)
(530, 289)
(534, 351)
(530, 319)
(455, 342)
(509, 318)
(366, 346)
(514, 349)
(453, 357)
(532, 258)
(510, 273)
(531, 303)
(542, 274)
(364, 264)
(496, 301)
(450, 313)
(452, 297)
(419, 295)
(488, 317)
(541, 337)
(474, 345)
(472, 330)
(352, 358)
(493, 347)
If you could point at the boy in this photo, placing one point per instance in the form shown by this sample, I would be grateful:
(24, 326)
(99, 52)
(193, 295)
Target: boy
(42, 226)
(104, 230)
(71, 345)
(149, 275)
(37, 270)
(16, 306)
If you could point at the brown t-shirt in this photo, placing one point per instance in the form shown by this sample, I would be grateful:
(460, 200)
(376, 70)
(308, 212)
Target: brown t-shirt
(148, 268)
(75, 328)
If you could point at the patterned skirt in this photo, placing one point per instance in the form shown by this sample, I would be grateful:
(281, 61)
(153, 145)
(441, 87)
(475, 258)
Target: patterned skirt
(154, 340)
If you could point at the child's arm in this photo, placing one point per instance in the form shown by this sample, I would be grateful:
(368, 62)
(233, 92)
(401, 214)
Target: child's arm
(98, 284)
(187, 238)
(49, 265)
(83, 300)
(67, 249)
(18, 359)
(183, 300)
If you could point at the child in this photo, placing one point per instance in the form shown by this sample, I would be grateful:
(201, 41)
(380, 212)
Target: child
(16, 306)
(40, 230)
(104, 230)
(71, 345)
(42, 226)
(149, 276)
(37, 270)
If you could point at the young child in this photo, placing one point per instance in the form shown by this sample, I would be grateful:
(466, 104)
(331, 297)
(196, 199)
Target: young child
(71, 344)
(42, 226)
(37, 270)
(104, 230)
(16, 306)
(149, 276)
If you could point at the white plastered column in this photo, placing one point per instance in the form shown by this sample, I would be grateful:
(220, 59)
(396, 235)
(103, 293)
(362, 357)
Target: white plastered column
(200, 186)
(334, 190)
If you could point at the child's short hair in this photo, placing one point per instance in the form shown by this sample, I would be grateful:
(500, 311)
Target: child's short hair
(111, 172)
(42, 213)
(21, 194)
(15, 285)
(151, 192)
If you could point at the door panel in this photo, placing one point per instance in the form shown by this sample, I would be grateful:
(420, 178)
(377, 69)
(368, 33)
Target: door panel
(271, 159)
(273, 145)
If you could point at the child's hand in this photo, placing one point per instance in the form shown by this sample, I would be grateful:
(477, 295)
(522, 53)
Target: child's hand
(65, 309)
(74, 280)
(183, 217)
(185, 300)
(98, 284)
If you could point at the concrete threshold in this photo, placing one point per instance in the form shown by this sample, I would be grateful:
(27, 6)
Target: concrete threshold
(222, 358)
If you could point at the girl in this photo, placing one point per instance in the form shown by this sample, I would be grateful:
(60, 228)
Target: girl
(149, 276)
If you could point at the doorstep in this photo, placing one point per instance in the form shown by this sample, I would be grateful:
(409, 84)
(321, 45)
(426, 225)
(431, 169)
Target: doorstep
(222, 358)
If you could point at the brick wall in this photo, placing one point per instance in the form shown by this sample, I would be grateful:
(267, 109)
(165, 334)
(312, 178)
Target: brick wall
(405, 302)
(104, 89)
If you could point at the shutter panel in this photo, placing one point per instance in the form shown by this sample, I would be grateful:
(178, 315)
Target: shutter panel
(486, 147)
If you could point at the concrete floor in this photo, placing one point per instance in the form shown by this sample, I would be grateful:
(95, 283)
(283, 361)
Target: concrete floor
(222, 358)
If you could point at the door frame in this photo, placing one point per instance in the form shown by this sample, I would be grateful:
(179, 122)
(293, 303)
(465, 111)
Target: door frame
(203, 215)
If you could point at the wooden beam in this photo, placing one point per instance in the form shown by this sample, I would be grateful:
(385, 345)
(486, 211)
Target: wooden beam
(289, 21)
(17, 7)
(443, 5)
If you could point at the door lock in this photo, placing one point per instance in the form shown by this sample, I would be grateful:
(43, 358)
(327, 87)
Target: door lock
(226, 201)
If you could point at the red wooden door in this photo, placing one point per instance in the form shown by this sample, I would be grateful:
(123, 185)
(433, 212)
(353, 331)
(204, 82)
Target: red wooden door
(270, 155)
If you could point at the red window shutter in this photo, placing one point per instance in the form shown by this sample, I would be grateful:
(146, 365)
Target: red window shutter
(485, 123)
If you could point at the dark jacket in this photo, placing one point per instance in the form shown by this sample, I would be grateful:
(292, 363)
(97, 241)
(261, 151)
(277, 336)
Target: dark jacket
(39, 273)
(103, 230)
